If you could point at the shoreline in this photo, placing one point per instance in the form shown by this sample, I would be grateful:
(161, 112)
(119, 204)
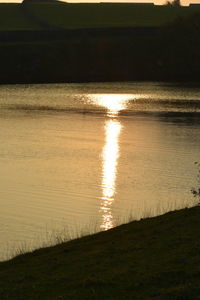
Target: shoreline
(176, 82)
(155, 258)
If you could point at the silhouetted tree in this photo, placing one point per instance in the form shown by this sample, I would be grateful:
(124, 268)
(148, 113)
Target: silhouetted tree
(174, 3)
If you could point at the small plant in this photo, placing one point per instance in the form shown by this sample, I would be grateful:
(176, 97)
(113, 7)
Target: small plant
(196, 191)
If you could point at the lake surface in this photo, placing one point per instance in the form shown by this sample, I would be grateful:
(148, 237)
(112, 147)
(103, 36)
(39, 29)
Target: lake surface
(77, 158)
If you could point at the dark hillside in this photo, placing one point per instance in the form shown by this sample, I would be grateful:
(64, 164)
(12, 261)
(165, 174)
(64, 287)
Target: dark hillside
(88, 15)
(126, 42)
(93, 15)
(13, 18)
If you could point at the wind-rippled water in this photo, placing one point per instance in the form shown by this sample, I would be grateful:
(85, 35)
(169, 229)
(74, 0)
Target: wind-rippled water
(81, 157)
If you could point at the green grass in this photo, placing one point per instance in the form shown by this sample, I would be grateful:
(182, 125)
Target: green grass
(93, 15)
(156, 258)
(13, 18)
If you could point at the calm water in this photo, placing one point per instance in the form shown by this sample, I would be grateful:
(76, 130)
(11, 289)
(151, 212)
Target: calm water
(77, 157)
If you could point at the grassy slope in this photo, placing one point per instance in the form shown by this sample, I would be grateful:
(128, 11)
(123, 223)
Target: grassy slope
(13, 18)
(67, 15)
(85, 15)
(154, 258)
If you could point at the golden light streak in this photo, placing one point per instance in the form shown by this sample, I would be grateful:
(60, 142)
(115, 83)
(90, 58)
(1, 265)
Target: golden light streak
(114, 103)
(109, 171)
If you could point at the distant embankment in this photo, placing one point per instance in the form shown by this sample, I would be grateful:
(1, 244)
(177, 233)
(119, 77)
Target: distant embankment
(79, 43)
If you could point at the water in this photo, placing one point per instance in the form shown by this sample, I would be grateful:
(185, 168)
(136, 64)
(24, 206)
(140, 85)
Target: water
(78, 157)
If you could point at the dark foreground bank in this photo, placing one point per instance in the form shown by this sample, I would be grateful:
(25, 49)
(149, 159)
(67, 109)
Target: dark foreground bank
(156, 258)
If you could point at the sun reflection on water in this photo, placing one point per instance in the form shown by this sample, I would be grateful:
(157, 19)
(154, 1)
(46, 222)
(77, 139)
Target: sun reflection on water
(114, 103)
(109, 173)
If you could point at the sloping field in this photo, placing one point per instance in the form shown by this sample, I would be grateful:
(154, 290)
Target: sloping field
(84, 15)
(12, 17)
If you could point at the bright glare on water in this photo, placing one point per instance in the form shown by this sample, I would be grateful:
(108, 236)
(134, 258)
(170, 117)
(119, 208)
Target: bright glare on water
(86, 157)
(110, 157)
